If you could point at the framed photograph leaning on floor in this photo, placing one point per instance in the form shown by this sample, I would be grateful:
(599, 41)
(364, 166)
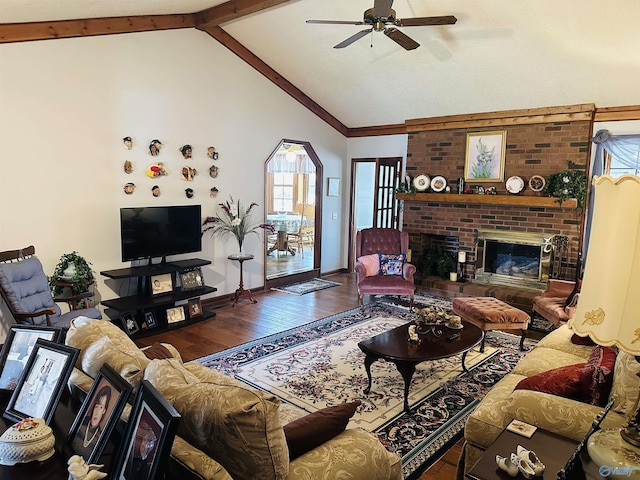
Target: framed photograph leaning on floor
(17, 347)
(99, 414)
(40, 387)
(147, 442)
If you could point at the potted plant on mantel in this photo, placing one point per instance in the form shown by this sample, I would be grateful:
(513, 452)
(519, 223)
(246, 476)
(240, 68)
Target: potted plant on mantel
(567, 184)
(74, 272)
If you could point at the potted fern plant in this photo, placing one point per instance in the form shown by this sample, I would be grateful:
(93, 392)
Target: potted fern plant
(72, 271)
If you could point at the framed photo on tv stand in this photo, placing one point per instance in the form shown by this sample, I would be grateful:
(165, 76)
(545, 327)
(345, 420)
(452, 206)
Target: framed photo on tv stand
(191, 279)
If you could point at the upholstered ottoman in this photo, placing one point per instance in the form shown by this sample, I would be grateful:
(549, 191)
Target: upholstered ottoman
(489, 313)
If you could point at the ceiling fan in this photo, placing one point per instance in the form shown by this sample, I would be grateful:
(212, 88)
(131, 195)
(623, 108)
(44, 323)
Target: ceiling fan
(382, 15)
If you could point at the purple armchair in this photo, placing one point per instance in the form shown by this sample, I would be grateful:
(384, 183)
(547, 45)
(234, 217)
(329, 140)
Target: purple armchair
(382, 281)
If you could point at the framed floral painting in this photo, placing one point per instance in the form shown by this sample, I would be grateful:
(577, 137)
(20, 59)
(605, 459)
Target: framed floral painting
(484, 159)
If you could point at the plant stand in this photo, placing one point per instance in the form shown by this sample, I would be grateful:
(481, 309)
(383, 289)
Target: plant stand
(241, 258)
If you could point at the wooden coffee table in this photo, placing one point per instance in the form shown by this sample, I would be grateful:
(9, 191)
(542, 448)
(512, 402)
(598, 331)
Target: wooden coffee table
(395, 347)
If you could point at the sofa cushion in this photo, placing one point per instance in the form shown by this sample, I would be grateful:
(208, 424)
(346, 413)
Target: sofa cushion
(601, 362)
(626, 383)
(311, 431)
(371, 264)
(102, 342)
(235, 425)
(392, 264)
(570, 381)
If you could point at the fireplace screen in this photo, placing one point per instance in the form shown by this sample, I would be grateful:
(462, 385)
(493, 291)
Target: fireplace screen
(512, 260)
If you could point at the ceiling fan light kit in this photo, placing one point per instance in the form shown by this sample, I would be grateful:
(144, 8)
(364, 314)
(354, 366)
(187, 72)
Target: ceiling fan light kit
(382, 15)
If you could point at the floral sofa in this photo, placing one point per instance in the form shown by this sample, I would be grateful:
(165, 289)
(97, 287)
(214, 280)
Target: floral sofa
(228, 430)
(524, 395)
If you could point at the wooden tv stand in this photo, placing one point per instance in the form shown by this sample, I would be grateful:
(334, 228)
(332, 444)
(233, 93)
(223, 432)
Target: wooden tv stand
(143, 301)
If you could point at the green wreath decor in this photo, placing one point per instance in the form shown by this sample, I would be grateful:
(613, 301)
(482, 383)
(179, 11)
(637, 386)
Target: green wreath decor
(567, 184)
(81, 278)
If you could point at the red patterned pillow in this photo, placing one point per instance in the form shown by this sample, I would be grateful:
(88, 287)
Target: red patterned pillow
(568, 382)
(578, 340)
(601, 363)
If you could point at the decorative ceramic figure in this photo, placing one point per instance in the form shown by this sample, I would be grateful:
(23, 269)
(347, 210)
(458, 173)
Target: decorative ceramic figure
(154, 147)
(188, 173)
(213, 171)
(214, 192)
(128, 142)
(155, 191)
(128, 166)
(79, 470)
(28, 440)
(188, 192)
(129, 188)
(211, 153)
(186, 151)
(156, 170)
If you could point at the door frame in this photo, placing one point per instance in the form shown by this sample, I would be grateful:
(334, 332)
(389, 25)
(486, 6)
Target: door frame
(317, 240)
(352, 207)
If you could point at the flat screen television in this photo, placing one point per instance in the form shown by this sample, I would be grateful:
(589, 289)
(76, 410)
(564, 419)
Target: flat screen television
(148, 232)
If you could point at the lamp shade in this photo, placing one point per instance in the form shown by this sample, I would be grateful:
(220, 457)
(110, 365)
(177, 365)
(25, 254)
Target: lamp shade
(608, 308)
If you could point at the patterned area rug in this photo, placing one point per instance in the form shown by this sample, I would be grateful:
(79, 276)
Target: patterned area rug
(308, 286)
(320, 364)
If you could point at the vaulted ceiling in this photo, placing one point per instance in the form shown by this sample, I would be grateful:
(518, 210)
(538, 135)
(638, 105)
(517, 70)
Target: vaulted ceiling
(498, 56)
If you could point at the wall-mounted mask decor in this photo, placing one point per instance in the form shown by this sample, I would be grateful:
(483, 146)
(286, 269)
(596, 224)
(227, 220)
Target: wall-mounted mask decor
(155, 191)
(211, 153)
(188, 173)
(213, 171)
(129, 188)
(127, 142)
(188, 192)
(154, 147)
(156, 170)
(128, 166)
(186, 151)
(214, 192)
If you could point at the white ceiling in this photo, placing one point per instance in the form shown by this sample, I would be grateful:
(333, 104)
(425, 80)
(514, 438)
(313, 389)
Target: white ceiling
(500, 55)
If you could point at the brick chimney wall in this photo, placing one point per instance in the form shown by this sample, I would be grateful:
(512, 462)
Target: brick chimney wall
(532, 149)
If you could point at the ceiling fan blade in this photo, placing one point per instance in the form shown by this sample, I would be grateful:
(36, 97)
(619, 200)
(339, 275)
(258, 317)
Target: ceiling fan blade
(353, 38)
(381, 8)
(337, 22)
(401, 39)
(426, 21)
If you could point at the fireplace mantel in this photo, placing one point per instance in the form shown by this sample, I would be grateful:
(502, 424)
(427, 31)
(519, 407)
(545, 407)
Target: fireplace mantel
(546, 202)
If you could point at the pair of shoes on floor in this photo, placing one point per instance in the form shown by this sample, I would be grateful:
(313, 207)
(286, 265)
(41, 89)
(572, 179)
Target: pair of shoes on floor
(523, 461)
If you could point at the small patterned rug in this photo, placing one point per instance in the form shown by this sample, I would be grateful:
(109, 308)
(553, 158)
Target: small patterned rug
(320, 364)
(308, 286)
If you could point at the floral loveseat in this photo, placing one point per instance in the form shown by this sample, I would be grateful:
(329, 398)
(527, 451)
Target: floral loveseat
(228, 430)
(569, 417)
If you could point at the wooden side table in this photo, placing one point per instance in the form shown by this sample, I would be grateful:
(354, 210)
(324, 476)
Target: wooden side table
(241, 258)
(553, 450)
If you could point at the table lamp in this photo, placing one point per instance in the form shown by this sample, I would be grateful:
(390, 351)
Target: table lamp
(608, 310)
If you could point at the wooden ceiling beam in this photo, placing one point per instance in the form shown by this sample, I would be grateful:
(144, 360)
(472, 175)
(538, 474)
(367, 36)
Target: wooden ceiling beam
(89, 27)
(251, 59)
(231, 10)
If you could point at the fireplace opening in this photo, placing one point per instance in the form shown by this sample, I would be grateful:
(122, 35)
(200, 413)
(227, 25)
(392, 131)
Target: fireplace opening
(513, 260)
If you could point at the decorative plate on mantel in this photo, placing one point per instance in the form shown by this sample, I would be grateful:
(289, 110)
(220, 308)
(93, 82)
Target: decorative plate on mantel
(537, 183)
(514, 184)
(421, 182)
(438, 184)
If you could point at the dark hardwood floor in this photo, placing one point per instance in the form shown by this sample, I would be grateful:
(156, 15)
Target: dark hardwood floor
(275, 312)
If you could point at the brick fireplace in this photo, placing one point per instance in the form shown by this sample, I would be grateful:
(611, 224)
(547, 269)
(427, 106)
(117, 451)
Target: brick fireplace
(542, 142)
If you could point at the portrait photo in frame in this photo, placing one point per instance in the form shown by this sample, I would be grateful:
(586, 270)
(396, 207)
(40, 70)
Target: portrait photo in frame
(195, 308)
(17, 347)
(147, 441)
(99, 414)
(485, 156)
(175, 314)
(191, 279)
(42, 382)
(333, 187)
(129, 323)
(150, 320)
(162, 283)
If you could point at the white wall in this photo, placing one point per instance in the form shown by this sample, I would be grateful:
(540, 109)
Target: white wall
(66, 104)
